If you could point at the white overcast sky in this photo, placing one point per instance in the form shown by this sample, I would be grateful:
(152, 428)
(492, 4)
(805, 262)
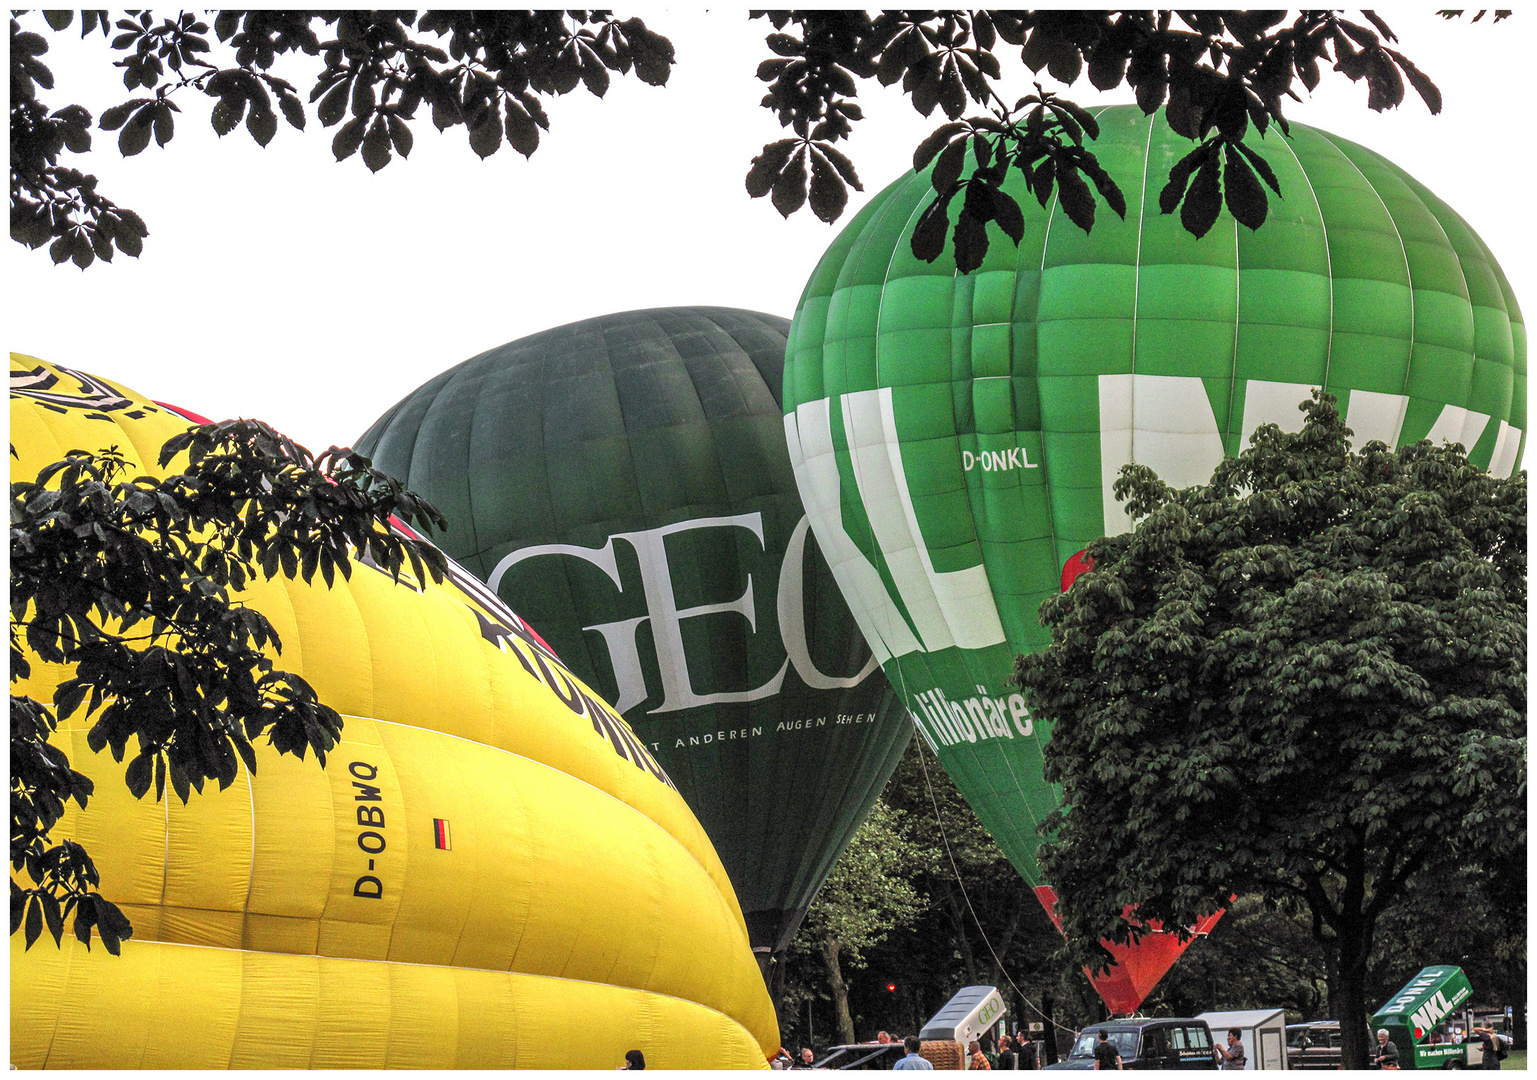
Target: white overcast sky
(279, 284)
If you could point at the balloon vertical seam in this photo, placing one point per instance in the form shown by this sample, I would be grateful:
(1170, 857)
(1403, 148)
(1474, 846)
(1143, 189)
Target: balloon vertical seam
(415, 436)
(1323, 226)
(1136, 310)
(469, 473)
(880, 305)
(624, 424)
(1232, 379)
(1467, 289)
(1404, 251)
(165, 865)
(250, 877)
(1136, 278)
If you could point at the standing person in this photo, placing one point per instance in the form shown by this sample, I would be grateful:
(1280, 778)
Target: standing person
(634, 1059)
(1007, 1059)
(1106, 1056)
(978, 1058)
(1232, 1056)
(883, 1037)
(1387, 1052)
(1494, 1045)
(806, 1058)
(913, 1060)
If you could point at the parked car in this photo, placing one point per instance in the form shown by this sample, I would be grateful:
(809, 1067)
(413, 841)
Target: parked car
(1143, 1043)
(1314, 1045)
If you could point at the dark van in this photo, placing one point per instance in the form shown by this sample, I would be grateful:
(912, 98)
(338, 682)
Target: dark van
(1147, 1044)
(1316, 1045)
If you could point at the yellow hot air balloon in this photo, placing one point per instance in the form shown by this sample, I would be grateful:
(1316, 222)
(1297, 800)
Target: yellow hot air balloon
(490, 873)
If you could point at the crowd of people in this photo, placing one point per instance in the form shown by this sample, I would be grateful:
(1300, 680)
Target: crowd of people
(1000, 1052)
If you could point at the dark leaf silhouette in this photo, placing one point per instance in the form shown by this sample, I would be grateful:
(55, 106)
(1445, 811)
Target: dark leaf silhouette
(1203, 201)
(1214, 72)
(929, 235)
(932, 145)
(828, 194)
(790, 189)
(767, 166)
(1245, 197)
(970, 242)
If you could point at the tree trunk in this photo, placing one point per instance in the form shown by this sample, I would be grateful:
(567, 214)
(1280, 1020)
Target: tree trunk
(1347, 1000)
(957, 912)
(1353, 922)
(1050, 1029)
(1001, 945)
(830, 951)
(1518, 1014)
(1351, 948)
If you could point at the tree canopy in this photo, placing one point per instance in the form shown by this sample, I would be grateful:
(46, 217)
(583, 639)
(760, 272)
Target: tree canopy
(487, 72)
(870, 892)
(979, 923)
(1218, 76)
(1305, 679)
(132, 583)
(1263, 950)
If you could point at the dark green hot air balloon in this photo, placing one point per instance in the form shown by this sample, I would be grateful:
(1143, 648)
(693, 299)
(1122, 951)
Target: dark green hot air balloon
(624, 484)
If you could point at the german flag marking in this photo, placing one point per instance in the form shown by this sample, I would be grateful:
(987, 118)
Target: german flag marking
(440, 834)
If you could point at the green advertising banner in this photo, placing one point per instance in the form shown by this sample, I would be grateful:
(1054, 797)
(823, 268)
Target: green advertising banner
(623, 484)
(956, 438)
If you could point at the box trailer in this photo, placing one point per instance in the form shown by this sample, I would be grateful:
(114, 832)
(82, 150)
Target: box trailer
(1414, 1019)
(1262, 1031)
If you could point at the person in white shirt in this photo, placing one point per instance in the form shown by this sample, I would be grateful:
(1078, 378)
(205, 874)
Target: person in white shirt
(912, 1060)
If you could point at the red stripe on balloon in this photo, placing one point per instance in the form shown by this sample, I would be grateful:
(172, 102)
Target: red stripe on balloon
(186, 414)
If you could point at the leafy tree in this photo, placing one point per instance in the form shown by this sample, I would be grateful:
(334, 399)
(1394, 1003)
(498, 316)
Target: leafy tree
(984, 925)
(1259, 954)
(1265, 953)
(981, 924)
(868, 894)
(1217, 75)
(986, 906)
(487, 72)
(132, 584)
(1305, 679)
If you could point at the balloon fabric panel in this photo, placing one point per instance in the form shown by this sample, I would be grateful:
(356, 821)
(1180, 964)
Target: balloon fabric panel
(166, 1006)
(483, 809)
(509, 814)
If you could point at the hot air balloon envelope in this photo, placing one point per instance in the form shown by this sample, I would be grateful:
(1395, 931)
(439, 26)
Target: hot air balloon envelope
(957, 438)
(489, 853)
(623, 483)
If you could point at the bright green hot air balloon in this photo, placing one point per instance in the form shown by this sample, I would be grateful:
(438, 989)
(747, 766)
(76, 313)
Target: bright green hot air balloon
(624, 482)
(956, 438)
